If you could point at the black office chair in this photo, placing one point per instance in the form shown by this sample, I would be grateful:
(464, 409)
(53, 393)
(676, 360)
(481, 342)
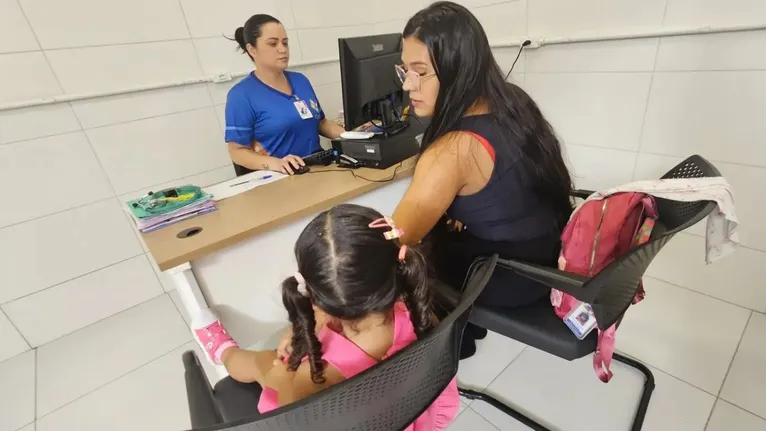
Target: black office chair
(386, 397)
(241, 170)
(610, 292)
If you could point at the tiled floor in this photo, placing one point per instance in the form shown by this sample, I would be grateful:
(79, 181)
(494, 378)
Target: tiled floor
(707, 355)
(709, 372)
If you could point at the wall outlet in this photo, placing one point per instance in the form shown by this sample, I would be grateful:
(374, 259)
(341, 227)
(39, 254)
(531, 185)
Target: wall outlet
(222, 77)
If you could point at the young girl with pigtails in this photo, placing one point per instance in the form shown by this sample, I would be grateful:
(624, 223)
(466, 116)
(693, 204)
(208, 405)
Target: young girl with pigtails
(358, 297)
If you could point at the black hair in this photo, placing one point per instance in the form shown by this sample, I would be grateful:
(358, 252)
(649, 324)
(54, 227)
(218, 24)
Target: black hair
(469, 76)
(351, 270)
(251, 31)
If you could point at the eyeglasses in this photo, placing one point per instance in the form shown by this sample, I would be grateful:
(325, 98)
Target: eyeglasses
(411, 80)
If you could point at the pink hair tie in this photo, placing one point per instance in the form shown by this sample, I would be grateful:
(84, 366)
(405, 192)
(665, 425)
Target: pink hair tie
(394, 233)
(402, 252)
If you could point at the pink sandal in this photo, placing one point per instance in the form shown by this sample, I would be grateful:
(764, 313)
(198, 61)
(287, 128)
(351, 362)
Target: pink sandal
(211, 336)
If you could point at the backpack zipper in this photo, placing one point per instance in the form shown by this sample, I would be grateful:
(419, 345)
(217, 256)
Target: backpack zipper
(596, 238)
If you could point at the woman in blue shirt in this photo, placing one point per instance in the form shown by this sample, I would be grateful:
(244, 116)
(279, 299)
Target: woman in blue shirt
(273, 116)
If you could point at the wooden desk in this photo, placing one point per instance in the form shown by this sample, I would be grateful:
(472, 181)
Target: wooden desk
(265, 208)
(244, 249)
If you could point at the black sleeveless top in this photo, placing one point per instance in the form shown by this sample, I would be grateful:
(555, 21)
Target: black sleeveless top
(504, 217)
(507, 208)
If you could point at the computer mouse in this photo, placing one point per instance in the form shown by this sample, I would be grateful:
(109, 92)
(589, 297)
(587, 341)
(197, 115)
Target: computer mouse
(302, 170)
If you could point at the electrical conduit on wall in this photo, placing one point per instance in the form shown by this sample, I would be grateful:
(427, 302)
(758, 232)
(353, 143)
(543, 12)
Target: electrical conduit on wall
(536, 43)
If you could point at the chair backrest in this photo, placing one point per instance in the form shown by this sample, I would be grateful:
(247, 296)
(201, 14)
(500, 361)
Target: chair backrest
(393, 393)
(612, 290)
(241, 170)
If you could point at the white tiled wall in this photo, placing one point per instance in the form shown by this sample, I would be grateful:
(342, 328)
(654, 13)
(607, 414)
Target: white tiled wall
(79, 23)
(588, 17)
(74, 277)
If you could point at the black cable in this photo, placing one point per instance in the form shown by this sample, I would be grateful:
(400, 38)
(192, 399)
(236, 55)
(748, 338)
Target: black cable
(521, 48)
(386, 180)
(412, 114)
(384, 129)
(393, 176)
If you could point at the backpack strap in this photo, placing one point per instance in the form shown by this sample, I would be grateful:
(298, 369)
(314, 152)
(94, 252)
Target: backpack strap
(602, 358)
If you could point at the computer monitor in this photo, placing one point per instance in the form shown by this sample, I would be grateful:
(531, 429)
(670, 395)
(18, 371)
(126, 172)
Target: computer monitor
(371, 88)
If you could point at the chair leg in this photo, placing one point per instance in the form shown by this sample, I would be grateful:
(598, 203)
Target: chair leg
(638, 420)
(474, 395)
(646, 394)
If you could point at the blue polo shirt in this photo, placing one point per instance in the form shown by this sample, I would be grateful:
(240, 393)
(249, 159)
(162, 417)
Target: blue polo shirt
(257, 112)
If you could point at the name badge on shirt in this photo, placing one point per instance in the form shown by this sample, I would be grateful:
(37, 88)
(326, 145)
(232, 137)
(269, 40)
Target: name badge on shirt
(303, 110)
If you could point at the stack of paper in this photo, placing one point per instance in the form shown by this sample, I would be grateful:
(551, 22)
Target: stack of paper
(149, 223)
(159, 221)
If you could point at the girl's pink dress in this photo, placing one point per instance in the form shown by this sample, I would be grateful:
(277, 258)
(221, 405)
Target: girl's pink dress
(350, 360)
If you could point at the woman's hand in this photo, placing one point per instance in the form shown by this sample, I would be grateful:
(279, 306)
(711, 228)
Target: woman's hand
(365, 127)
(287, 165)
(454, 225)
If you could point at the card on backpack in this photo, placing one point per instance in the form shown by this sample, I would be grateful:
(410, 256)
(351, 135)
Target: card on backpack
(581, 320)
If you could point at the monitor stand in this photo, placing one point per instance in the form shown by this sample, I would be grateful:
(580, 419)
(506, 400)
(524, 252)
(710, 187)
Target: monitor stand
(391, 124)
(395, 128)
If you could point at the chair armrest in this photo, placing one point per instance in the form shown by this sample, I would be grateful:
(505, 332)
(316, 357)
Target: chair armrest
(581, 193)
(203, 411)
(566, 282)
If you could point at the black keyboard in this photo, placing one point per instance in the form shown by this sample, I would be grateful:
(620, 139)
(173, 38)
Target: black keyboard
(320, 158)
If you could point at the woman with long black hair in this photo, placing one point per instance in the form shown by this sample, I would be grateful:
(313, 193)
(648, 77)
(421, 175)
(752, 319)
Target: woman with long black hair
(491, 177)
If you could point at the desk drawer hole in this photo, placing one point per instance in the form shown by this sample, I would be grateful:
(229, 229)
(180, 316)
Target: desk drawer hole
(186, 233)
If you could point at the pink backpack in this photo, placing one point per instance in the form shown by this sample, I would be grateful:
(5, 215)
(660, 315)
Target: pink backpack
(599, 232)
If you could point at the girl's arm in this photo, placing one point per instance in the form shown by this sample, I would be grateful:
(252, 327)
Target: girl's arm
(248, 366)
(294, 386)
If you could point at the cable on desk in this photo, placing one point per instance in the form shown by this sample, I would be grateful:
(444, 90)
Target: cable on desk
(386, 180)
(393, 176)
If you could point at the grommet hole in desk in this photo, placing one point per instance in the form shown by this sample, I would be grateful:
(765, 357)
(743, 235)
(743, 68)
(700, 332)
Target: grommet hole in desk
(186, 233)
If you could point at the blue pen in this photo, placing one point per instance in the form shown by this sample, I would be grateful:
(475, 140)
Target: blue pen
(265, 177)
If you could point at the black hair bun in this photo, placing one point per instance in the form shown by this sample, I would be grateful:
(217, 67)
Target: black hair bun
(239, 36)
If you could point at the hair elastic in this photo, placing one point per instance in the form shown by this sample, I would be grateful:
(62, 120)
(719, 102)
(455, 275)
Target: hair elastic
(402, 252)
(301, 283)
(394, 233)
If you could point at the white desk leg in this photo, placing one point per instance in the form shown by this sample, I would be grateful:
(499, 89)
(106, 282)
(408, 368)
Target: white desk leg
(192, 297)
(188, 288)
